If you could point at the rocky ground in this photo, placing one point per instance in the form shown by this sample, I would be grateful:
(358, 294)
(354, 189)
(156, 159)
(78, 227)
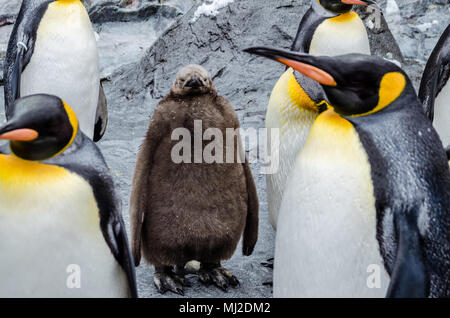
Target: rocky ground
(142, 45)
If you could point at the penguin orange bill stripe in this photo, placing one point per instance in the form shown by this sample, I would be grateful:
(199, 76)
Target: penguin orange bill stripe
(354, 2)
(23, 134)
(311, 71)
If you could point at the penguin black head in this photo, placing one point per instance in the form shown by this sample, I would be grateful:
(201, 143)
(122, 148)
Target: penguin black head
(343, 6)
(41, 127)
(355, 84)
(192, 80)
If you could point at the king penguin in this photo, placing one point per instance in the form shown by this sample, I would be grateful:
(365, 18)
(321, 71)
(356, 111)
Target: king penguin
(330, 28)
(369, 188)
(435, 87)
(53, 50)
(192, 209)
(61, 230)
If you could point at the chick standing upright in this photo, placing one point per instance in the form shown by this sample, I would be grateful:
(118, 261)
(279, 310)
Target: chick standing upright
(191, 210)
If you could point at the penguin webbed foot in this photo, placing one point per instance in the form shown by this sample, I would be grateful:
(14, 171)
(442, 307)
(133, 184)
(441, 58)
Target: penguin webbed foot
(166, 279)
(217, 275)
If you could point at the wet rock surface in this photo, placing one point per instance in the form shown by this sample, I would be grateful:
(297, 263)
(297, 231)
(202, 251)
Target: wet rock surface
(142, 48)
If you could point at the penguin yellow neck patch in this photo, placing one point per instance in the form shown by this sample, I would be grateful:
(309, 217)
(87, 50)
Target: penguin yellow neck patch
(333, 139)
(67, 1)
(391, 87)
(33, 188)
(298, 94)
(74, 123)
(14, 170)
(345, 17)
(333, 121)
(290, 108)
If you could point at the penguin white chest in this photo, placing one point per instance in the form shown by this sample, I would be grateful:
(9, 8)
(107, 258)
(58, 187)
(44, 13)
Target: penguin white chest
(441, 119)
(65, 61)
(344, 34)
(50, 236)
(290, 113)
(326, 239)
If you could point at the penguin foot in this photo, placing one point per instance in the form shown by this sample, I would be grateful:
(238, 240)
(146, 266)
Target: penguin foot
(268, 263)
(217, 275)
(166, 279)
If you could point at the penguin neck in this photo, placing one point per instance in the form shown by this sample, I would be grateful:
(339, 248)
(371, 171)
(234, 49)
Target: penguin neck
(290, 107)
(16, 172)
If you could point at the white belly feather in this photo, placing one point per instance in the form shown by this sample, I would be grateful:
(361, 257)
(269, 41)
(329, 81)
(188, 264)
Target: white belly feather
(344, 34)
(294, 122)
(441, 119)
(341, 35)
(65, 61)
(326, 238)
(46, 226)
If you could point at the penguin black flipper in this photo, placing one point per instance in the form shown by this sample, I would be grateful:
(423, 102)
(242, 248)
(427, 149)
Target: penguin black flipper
(101, 116)
(310, 21)
(436, 74)
(158, 128)
(20, 49)
(17, 72)
(251, 224)
(96, 173)
(113, 227)
(409, 278)
(250, 236)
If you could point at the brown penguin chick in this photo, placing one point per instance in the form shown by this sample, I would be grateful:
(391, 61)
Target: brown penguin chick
(191, 211)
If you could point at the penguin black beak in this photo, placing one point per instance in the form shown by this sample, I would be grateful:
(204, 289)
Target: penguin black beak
(20, 134)
(359, 2)
(194, 83)
(306, 64)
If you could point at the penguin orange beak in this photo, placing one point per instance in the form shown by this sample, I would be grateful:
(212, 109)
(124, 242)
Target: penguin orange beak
(23, 134)
(303, 63)
(359, 2)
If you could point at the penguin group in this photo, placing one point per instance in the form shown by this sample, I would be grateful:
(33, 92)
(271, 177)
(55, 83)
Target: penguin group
(329, 27)
(362, 182)
(363, 174)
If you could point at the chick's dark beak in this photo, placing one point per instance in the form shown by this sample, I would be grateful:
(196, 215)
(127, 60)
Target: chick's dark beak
(194, 83)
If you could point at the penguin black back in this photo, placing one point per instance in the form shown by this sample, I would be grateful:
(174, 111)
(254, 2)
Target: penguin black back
(24, 31)
(310, 21)
(436, 74)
